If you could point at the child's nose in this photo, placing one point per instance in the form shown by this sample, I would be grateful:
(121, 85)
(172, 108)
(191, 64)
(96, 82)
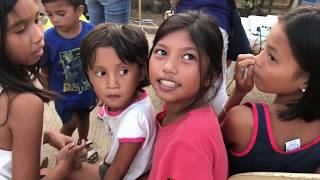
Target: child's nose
(53, 19)
(112, 82)
(258, 59)
(170, 66)
(37, 34)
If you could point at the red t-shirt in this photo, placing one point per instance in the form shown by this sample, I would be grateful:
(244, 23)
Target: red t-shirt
(191, 148)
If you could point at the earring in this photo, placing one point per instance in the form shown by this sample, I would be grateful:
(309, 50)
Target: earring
(303, 90)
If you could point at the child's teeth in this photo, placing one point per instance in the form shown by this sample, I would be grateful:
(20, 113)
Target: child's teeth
(168, 83)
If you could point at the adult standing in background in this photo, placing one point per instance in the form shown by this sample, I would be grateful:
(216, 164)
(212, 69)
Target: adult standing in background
(220, 10)
(112, 11)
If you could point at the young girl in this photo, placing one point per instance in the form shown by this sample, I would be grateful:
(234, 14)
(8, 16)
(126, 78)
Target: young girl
(115, 59)
(283, 136)
(21, 103)
(185, 61)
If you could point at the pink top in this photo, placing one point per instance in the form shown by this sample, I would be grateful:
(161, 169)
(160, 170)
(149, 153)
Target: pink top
(191, 148)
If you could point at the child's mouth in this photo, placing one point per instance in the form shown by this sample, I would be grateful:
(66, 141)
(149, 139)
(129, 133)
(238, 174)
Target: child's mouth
(113, 97)
(168, 83)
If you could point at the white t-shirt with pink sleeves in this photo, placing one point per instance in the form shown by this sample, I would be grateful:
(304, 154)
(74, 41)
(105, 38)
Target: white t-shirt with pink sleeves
(136, 123)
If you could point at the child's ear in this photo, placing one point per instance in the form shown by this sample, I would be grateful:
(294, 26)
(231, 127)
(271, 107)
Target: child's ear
(80, 10)
(304, 81)
(304, 86)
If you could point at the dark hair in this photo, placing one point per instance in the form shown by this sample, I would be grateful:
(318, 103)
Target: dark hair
(302, 27)
(13, 77)
(206, 36)
(128, 41)
(74, 3)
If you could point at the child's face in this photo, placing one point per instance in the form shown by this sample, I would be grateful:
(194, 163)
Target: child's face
(276, 69)
(174, 68)
(63, 16)
(114, 81)
(24, 40)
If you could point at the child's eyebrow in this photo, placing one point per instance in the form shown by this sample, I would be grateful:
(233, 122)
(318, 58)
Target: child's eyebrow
(272, 49)
(191, 47)
(57, 11)
(161, 45)
(21, 21)
(17, 23)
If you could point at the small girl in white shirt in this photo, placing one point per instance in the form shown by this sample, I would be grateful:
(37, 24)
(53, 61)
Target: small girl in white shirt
(115, 60)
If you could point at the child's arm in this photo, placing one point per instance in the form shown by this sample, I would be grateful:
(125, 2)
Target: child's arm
(243, 76)
(122, 161)
(25, 122)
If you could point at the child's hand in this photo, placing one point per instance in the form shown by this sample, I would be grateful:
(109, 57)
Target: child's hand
(244, 73)
(71, 156)
(59, 140)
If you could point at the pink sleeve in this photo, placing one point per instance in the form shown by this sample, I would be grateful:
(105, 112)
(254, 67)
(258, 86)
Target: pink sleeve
(185, 160)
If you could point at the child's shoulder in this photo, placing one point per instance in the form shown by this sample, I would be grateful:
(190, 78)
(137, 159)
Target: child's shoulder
(25, 108)
(203, 115)
(201, 121)
(86, 26)
(240, 112)
(238, 124)
(26, 100)
(51, 32)
(142, 102)
(142, 107)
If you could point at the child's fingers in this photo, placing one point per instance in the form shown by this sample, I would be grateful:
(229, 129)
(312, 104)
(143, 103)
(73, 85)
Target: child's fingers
(242, 57)
(249, 79)
(242, 66)
(78, 148)
(250, 72)
(67, 147)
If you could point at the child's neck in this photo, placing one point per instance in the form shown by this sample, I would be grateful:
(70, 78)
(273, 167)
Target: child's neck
(72, 32)
(285, 99)
(280, 104)
(176, 111)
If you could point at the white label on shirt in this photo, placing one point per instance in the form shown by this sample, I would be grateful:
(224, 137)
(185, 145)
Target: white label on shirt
(292, 145)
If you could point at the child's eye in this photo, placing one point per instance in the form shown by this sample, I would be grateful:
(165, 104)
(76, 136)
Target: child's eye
(160, 52)
(123, 71)
(100, 73)
(188, 57)
(20, 30)
(271, 58)
(61, 13)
